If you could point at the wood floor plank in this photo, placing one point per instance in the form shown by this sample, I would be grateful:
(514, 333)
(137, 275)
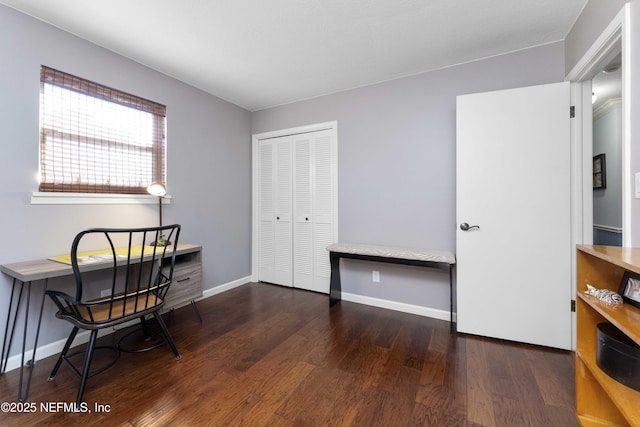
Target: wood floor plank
(277, 390)
(417, 343)
(394, 374)
(498, 355)
(480, 403)
(526, 388)
(555, 376)
(508, 411)
(273, 356)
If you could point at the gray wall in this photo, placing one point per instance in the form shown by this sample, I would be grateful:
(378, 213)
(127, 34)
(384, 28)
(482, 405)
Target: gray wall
(396, 162)
(209, 159)
(594, 18)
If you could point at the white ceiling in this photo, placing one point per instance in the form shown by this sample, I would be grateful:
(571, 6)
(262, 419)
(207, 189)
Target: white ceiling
(259, 53)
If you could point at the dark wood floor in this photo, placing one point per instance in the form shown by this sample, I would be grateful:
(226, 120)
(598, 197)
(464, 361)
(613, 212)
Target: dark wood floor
(267, 355)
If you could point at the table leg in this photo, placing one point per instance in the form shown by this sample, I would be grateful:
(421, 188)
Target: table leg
(453, 325)
(335, 287)
(23, 389)
(24, 342)
(31, 363)
(8, 336)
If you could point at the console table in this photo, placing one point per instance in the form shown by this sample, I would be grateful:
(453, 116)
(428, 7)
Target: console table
(186, 287)
(395, 255)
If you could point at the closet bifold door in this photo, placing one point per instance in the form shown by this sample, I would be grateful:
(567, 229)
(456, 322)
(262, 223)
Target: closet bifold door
(313, 194)
(275, 206)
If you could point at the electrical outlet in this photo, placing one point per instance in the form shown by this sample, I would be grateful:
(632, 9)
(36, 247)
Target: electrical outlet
(105, 292)
(375, 276)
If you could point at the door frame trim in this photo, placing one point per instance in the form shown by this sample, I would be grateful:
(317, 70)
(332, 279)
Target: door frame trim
(255, 181)
(613, 40)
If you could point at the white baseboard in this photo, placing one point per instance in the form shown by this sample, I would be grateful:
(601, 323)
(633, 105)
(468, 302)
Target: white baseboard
(398, 306)
(54, 348)
(226, 287)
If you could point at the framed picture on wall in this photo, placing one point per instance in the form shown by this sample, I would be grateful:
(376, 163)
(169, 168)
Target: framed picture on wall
(599, 172)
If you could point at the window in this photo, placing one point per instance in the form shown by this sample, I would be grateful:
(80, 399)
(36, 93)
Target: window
(95, 139)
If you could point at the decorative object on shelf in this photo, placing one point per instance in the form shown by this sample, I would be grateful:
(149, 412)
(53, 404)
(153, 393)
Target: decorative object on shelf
(158, 189)
(630, 288)
(599, 172)
(605, 295)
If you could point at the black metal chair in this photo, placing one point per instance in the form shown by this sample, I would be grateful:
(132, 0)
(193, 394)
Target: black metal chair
(141, 274)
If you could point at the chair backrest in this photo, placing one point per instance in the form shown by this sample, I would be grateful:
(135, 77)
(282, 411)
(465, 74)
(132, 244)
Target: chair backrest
(141, 271)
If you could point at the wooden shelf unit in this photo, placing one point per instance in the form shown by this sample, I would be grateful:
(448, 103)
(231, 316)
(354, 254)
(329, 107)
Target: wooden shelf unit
(601, 400)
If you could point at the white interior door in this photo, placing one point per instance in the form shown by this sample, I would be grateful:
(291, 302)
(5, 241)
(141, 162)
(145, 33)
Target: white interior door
(295, 201)
(513, 182)
(314, 209)
(276, 235)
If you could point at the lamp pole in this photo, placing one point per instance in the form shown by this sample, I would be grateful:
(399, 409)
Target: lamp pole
(158, 189)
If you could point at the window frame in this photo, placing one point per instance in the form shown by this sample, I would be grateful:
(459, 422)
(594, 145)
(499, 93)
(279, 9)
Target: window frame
(50, 191)
(60, 198)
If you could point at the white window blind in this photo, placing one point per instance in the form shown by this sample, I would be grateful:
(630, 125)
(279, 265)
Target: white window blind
(95, 139)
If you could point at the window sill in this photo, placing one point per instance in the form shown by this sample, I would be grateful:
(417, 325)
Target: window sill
(43, 198)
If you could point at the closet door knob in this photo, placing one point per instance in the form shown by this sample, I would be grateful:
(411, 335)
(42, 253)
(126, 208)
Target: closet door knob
(277, 217)
(306, 219)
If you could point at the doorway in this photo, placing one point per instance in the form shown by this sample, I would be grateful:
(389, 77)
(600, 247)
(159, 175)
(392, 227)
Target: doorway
(612, 42)
(606, 89)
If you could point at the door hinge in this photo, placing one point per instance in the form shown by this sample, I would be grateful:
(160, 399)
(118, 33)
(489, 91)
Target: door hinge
(572, 112)
(573, 306)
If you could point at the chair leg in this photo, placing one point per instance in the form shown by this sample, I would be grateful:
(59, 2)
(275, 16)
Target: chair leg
(87, 364)
(166, 334)
(145, 329)
(195, 308)
(63, 354)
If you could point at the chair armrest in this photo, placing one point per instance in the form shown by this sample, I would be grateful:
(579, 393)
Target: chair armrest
(65, 302)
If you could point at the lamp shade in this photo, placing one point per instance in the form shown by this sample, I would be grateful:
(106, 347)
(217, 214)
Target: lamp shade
(157, 189)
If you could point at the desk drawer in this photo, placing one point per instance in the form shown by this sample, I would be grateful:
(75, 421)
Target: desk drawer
(186, 286)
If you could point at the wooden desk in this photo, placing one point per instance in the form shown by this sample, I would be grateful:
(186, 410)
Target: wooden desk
(188, 259)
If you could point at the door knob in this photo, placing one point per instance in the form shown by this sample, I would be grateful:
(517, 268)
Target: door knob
(466, 227)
